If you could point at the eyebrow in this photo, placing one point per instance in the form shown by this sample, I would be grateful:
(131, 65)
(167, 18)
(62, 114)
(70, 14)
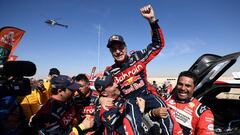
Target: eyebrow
(186, 84)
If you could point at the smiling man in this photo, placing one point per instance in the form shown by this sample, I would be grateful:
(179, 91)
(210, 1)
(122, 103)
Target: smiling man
(129, 73)
(193, 117)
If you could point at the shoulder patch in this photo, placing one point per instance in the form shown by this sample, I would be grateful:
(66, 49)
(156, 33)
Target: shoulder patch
(201, 108)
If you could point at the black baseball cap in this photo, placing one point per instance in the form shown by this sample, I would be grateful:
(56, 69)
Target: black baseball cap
(115, 39)
(74, 86)
(63, 81)
(103, 82)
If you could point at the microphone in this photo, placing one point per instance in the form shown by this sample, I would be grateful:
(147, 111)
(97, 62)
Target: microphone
(18, 68)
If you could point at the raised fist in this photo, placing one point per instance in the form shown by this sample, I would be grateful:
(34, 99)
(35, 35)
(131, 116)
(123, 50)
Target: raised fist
(148, 13)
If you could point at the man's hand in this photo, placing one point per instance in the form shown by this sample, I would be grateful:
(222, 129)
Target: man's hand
(160, 112)
(148, 13)
(141, 103)
(87, 122)
(105, 102)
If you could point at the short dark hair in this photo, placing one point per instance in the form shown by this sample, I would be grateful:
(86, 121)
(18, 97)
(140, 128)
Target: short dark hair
(82, 77)
(189, 74)
(54, 71)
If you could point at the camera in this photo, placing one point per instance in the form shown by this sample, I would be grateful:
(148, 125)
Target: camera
(13, 81)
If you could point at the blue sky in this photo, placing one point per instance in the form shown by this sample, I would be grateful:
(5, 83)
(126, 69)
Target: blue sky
(191, 28)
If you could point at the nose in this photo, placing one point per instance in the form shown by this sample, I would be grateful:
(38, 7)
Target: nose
(117, 51)
(75, 93)
(182, 87)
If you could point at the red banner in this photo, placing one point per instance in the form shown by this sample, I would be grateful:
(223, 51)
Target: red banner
(9, 39)
(92, 73)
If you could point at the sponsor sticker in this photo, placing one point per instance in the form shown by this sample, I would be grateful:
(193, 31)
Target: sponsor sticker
(210, 127)
(191, 105)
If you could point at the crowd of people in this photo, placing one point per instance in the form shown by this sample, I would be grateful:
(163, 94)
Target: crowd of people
(63, 105)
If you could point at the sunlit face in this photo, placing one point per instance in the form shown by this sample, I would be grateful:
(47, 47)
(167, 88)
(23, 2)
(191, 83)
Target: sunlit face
(119, 52)
(185, 87)
(84, 87)
(111, 91)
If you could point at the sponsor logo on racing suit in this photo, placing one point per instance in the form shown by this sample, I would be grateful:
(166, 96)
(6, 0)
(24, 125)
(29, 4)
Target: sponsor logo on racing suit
(67, 117)
(128, 73)
(182, 117)
(134, 83)
(88, 110)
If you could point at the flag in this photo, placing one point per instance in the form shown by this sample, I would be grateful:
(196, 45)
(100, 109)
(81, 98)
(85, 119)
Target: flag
(92, 73)
(9, 39)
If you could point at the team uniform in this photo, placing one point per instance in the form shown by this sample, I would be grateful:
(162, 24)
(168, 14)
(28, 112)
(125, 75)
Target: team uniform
(86, 107)
(193, 117)
(54, 118)
(132, 78)
(112, 119)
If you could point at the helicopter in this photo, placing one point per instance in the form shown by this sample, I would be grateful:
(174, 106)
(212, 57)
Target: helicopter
(53, 22)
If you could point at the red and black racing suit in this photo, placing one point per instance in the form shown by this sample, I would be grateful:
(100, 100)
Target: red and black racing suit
(54, 118)
(193, 117)
(86, 107)
(112, 119)
(132, 78)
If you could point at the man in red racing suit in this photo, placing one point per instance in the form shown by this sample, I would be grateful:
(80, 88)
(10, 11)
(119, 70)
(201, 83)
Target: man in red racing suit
(129, 72)
(193, 117)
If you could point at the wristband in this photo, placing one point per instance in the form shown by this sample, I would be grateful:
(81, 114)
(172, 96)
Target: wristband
(75, 131)
(79, 130)
(82, 127)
